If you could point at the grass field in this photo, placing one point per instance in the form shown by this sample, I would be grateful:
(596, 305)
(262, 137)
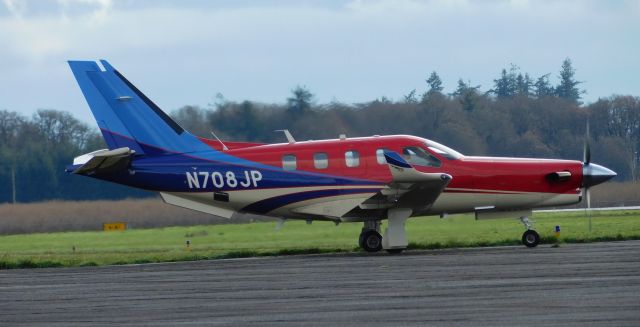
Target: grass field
(256, 239)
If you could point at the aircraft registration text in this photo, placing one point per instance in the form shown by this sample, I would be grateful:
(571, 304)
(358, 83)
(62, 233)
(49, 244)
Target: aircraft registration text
(219, 180)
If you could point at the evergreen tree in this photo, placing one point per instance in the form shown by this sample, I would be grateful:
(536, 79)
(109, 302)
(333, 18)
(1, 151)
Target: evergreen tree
(568, 87)
(542, 87)
(435, 83)
(512, 83)
(466, 94)
(300, 101)
(503, 86)
(523, 85)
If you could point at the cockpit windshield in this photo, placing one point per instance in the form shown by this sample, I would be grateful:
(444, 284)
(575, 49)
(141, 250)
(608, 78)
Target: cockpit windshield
(416, 155)
(442, 150)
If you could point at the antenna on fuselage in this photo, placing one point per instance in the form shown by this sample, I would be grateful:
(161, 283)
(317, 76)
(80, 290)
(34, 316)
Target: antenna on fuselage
(286, 132)
(224, 147)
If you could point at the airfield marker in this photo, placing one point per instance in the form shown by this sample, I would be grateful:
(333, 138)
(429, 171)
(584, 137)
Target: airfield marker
(557, 235)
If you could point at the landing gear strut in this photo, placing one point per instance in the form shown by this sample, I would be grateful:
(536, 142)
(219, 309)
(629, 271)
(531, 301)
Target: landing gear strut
(530, 238)
(395, 237)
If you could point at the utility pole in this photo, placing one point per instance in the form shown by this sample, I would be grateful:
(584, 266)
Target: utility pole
(13, 183)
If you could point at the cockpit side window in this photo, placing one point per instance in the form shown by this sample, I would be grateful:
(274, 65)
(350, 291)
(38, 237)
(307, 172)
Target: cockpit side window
(418, 156)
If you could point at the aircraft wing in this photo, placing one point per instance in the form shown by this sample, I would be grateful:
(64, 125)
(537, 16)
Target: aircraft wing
(102, 161)
(409, 188)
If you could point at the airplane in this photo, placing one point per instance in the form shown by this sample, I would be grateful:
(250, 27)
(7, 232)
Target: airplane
(362, 179)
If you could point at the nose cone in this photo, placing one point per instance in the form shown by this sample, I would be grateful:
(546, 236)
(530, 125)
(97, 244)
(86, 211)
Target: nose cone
(593, 174)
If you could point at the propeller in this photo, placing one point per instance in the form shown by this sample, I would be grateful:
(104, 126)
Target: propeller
(592, 174)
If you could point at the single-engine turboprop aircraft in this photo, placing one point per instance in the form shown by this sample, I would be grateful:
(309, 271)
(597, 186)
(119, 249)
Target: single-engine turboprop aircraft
(364, 179)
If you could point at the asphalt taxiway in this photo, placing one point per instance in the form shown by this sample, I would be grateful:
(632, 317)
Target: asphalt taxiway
(574, 285)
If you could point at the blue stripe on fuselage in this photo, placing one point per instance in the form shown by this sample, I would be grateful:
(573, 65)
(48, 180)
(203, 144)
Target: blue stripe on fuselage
(268, 205)
(167, 172)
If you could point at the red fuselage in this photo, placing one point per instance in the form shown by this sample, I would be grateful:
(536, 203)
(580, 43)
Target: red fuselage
(505, 183)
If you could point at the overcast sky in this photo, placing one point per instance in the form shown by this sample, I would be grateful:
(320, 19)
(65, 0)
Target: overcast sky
(185, 52)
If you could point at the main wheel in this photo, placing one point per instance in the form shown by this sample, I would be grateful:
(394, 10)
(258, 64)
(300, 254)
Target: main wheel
(530, 238)
(371, 241)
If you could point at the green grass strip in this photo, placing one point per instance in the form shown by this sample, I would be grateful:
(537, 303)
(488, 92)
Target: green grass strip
(75, 249)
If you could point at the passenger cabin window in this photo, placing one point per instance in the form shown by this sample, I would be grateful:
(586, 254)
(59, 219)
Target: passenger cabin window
(419, 156)
(289, 162)
(380, 156)
(352, 158)
(320, 160)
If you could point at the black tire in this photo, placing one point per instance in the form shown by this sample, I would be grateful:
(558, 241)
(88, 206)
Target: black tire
(371, 241)
(394, 251)
(530, 238)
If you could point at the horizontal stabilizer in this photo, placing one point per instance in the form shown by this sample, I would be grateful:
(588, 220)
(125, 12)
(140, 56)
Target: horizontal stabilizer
(103, 161)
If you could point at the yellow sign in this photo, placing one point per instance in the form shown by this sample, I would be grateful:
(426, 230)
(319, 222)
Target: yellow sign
(107, 227)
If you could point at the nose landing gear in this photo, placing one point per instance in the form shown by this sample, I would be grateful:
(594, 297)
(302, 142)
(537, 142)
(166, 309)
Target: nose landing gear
(530, 237)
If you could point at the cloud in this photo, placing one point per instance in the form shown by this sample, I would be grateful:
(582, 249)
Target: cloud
(15, 7)
(185, 52)
(98, 9)
(35, 32)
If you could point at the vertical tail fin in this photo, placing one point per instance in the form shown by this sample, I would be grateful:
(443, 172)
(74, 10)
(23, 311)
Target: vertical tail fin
(126, 117)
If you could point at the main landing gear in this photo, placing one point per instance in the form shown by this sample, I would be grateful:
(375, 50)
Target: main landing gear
(530, 238)
(370, 238)
(394, 240)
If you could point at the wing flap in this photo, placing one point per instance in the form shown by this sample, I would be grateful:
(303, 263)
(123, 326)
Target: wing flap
(332, 209)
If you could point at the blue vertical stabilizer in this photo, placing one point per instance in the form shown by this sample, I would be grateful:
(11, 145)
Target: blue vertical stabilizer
(126, 117)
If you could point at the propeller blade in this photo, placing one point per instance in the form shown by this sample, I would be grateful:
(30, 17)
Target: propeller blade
(588, 206)
(586, 155)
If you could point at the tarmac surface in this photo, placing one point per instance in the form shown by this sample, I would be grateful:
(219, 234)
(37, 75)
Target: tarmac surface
(574, 285)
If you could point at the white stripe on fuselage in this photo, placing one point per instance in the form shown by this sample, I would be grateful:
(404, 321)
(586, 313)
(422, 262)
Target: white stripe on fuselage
(239, 199)
(459, 202)
(448, 202)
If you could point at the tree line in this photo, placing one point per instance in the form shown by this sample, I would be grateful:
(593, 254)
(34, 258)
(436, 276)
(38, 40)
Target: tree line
(518, 116)
(34, 152)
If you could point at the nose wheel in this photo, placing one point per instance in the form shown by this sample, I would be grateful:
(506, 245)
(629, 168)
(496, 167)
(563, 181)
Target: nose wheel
(530, 238)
